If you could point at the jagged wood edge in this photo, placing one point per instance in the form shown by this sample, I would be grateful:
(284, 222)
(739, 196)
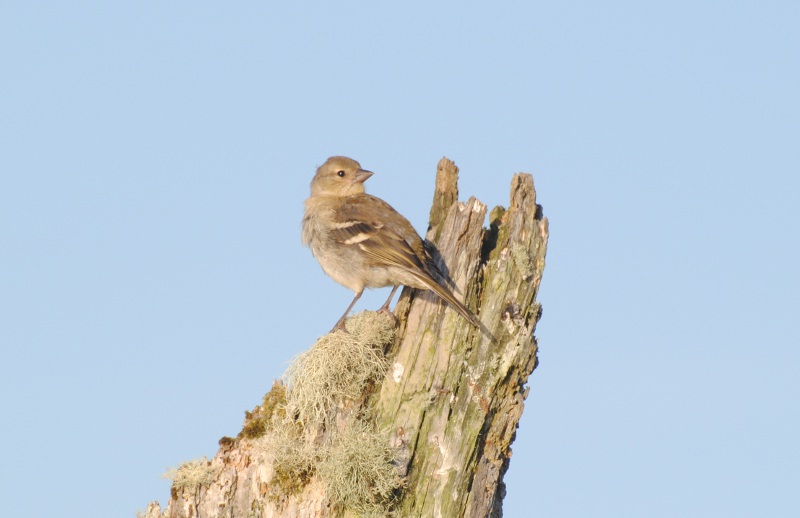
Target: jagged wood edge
(462, 390)
(457, 405)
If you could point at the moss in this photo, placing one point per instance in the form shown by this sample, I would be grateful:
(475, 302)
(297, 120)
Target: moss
(258, 422)
(286, 482)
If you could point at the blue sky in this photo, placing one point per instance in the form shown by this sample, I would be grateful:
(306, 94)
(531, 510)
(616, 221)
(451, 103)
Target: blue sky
(154, 158)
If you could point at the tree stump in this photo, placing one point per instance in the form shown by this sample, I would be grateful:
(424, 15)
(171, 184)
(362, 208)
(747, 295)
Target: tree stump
(443, 408)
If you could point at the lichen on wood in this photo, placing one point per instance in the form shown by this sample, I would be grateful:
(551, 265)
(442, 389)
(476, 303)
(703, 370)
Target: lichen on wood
(443, 411)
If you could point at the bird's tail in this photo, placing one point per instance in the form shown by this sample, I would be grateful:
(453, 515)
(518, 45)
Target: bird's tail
(451, 299)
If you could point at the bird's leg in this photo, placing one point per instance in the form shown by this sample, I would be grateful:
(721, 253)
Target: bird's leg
(340, 324)
(385, 307)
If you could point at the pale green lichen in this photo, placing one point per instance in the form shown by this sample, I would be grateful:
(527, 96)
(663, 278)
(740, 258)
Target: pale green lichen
(191, 475)
(338, 368)
(295, 458)
(355, 463)
(359, 470)
(371, 327)
(522, 260)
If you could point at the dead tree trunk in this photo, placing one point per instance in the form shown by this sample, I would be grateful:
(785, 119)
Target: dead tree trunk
(428, 431)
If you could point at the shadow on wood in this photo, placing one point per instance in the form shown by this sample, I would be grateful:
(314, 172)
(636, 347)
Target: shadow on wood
(427, 434)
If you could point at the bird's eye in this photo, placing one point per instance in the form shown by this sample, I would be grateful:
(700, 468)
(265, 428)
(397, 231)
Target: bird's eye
(341, 174)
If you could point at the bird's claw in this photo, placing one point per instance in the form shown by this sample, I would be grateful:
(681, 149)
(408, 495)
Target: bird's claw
(386, 311)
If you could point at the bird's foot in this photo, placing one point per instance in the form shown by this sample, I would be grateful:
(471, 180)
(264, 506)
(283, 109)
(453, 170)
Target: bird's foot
(386, 311)
(339, 327)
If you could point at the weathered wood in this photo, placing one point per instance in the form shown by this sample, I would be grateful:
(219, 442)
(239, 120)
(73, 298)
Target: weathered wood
(459, 400)
(453, 396)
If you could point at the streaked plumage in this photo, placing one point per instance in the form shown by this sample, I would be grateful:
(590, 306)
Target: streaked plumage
(362, 242)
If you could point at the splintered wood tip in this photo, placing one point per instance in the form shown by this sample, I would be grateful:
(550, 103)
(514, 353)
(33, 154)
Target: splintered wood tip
(447, 176)
(446, 193)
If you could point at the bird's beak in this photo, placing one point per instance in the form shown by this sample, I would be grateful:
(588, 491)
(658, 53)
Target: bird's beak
(362, 175)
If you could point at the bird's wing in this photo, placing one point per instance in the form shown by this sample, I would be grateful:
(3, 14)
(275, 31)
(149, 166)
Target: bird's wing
(388, 239)
(385, 236)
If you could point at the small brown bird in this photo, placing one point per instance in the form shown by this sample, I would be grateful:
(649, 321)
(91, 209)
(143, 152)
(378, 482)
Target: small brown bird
(362, 242)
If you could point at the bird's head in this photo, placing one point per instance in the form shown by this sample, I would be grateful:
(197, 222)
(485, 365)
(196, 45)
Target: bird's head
(339, 176)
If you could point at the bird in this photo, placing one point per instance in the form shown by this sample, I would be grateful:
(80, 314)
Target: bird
(362, 242)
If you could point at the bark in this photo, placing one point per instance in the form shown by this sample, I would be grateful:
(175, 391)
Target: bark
(453, 396)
